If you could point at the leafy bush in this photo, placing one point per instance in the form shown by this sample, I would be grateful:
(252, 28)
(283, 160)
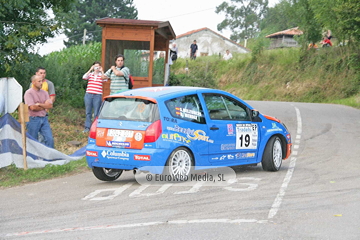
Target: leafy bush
(66, 68)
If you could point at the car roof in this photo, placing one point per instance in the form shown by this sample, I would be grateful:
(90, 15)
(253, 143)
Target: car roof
(161, 91)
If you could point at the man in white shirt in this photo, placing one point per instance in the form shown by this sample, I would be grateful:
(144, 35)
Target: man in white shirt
(227, 55)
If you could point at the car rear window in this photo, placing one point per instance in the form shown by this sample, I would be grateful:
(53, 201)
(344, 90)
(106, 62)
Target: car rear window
(187, 108)
(132, 109)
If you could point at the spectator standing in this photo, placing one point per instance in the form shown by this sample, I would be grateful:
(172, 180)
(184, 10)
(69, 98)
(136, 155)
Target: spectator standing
(227, 55)
(38, 101)
(93, 95)
(119, 75)
(47, 85)
(193, 50)
(173, 53)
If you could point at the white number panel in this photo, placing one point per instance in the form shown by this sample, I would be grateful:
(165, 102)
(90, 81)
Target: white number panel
(246, 136)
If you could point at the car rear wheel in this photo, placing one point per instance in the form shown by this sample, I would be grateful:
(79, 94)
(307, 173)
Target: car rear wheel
(272, 157)
(179, 164)
(107, 174)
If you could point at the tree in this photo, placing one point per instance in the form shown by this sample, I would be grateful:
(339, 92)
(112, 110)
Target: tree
(242, 17)
(307, 21)
(340, 16)
(86, 12)
(25, 24)
(279, 18)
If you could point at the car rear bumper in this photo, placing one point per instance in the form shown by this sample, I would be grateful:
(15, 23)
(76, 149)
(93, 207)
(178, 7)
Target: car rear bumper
(126, 159)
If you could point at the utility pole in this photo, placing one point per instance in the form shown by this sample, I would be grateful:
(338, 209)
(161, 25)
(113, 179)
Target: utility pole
(84, 36)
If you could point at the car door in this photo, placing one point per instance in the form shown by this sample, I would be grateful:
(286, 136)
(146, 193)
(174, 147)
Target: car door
(235, 136)
(185, 126)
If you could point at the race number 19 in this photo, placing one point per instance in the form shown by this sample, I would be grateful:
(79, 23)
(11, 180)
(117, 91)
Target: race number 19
(246, 136)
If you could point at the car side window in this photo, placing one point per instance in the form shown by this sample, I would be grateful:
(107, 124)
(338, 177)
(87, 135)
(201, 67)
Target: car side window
(221, 107)
(186, 108)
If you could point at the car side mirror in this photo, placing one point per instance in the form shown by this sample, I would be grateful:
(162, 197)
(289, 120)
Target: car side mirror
(254, 113)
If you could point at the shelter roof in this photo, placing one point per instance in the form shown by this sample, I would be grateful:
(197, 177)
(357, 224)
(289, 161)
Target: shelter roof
(158, 25)
(289, 32)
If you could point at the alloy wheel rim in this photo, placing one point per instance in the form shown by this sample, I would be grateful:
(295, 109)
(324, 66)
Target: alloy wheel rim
(277, 153)
(181, 163)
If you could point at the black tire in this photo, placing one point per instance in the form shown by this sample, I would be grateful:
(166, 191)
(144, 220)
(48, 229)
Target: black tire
(179, 164)
(272, 157)
(107, 174)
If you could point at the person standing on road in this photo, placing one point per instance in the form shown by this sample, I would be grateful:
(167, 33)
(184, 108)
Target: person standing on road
(38, 101)
(93, 95)
(119, 75)
(193, 50)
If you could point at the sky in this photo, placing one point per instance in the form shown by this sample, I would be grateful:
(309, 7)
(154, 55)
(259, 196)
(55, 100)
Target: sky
(183, 15)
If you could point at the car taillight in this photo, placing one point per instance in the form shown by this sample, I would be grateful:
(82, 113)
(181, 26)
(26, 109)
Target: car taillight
(153, 132)
(92, 133)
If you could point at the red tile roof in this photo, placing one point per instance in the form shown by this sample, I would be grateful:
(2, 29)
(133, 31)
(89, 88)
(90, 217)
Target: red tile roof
(291, 32)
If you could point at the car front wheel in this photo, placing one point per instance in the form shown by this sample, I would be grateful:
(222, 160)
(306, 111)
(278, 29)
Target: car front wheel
(272, 157)
(179, 164)
(107, 174)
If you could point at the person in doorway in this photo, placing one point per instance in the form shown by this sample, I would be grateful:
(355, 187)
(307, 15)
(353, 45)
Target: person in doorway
(193, 50)
(227, 55)
(38, 101)
(119, 75)
(93, 95)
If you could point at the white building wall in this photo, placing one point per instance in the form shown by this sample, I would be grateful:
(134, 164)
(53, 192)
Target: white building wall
(208, 43)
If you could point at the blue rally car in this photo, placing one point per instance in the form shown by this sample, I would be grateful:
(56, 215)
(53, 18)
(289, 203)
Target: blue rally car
(182, 128)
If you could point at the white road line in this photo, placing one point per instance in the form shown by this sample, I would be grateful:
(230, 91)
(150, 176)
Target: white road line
(277, 202)
(115, 192)
(138, 192)
(135, 225)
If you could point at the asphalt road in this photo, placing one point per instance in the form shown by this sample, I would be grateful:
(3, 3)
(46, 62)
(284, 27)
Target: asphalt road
(315, 195)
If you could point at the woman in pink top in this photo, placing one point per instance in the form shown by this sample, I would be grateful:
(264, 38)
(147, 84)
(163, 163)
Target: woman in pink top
(93, 95)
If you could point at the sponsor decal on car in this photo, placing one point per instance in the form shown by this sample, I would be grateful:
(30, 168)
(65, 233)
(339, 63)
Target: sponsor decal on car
(274, 128)
(230, 129)
(142, 157)
(138, 136)
(175, 137)
(244, 155)
(91, 153)
(228, 146)
(115, 155)
(176, 128)
(117, 144)
(200, 135)
(120, 138)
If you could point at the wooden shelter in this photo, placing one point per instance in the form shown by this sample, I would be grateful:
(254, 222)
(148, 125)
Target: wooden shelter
(284, 38)
(138, 41)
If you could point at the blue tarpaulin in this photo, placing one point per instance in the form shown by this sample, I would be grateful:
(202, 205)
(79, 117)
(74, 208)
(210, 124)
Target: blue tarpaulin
(38, 155)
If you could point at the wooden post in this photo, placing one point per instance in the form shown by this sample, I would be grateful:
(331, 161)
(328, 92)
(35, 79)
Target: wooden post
(23, 117)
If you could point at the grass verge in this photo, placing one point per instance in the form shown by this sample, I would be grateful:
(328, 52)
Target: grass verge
(67, 124)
